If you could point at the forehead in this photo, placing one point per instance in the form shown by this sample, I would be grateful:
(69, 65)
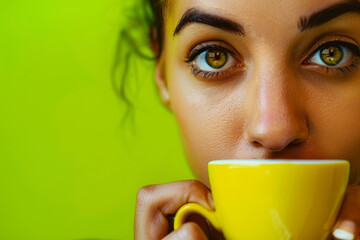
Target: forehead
(269, 15)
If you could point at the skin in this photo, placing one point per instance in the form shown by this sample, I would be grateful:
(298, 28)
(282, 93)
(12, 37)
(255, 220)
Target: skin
(273, 106)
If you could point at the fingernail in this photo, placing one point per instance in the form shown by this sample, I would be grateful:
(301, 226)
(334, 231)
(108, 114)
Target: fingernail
(211, 200)
(343, 235)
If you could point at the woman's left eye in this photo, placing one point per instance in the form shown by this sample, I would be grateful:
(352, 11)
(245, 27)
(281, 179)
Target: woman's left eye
(333, 55)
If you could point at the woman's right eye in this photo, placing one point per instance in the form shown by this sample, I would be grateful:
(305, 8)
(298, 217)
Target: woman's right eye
(214, 60)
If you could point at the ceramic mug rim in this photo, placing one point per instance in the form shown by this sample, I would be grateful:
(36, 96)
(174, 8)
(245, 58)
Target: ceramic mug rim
(252, 162)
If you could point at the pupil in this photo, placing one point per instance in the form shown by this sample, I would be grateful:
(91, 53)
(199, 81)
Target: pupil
(217, 56)
(332, 52)
(332, 55)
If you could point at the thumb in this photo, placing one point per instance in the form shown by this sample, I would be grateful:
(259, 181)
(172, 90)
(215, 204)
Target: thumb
(188, 231)
(348, 224)
(346, 230)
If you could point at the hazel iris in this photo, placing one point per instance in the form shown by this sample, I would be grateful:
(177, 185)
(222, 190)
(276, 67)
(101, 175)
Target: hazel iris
(332, 55)
(216, 58)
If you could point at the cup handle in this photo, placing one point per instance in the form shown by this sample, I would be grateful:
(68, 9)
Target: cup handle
(185, 211)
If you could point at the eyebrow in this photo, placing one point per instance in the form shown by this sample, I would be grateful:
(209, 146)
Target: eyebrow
(194, 15)
(327, 14)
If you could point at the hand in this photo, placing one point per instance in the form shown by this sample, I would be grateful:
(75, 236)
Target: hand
(348, 222)
(155, 203)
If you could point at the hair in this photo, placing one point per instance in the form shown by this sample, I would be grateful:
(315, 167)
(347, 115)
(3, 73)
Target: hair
(142, 28)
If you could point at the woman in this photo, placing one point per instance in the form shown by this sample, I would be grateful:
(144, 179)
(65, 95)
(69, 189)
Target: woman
(255, 79)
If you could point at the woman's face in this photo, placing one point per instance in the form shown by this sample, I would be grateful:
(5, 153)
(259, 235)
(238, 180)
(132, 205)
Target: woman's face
(263, 79)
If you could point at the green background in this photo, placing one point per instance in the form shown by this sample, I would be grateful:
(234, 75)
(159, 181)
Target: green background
(69, 167)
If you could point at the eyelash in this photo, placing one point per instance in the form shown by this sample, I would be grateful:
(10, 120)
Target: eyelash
(209, 75)
(342, 70)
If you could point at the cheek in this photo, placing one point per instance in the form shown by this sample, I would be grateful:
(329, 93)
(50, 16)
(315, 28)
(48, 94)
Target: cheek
(341, 140)
(338, 133)
(335, 117)
(209, 118)
(334, 120)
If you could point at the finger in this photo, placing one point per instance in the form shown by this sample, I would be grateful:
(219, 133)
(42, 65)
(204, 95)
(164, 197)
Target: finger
(348, 224)
(156, 202)
(188, 231)
(346, 230)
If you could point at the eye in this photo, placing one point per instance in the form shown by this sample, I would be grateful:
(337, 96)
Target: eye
(213, 59)
(333, 54)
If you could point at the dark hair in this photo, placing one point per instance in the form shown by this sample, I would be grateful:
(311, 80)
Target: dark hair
(142, 26)
(157, 25)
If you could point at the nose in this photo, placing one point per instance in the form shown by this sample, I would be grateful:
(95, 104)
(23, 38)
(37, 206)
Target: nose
(275, 115)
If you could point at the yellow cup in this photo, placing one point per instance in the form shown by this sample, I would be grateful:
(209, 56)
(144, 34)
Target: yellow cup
(273, 199)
